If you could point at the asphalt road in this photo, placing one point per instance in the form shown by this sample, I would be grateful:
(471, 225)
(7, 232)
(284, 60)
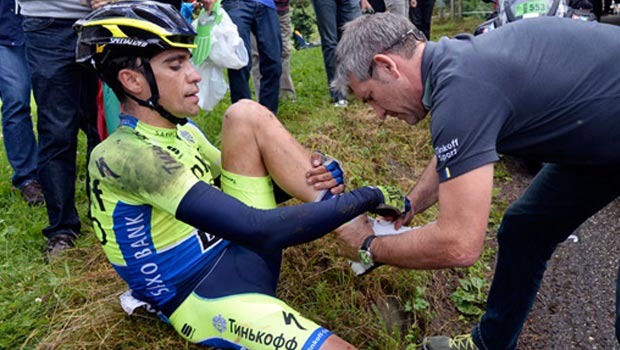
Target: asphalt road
(575, 306)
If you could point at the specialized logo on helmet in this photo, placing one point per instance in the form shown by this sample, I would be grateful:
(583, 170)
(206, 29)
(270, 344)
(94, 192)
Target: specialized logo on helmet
(127, 41)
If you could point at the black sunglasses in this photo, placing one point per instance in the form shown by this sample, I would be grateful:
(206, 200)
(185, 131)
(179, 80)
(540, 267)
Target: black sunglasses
(413, 32)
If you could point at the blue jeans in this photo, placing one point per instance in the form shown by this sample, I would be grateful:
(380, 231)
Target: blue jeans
(65, 95)
(19, 140)
(331, 15)
(253, 17)
(560, 198)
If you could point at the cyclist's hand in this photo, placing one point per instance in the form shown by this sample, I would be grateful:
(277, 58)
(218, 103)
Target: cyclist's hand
(326, 173)
(395, 205)
(406, 218)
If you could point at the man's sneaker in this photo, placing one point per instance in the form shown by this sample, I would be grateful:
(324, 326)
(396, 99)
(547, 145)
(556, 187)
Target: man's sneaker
(341, 103)
(32, 193)
(460, 342)
(57, 245)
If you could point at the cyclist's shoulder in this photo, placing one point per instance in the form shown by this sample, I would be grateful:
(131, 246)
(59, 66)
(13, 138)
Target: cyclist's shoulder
(129, 154)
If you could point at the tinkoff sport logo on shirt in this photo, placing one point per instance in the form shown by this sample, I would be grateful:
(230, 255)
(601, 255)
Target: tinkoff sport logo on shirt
(444, 153)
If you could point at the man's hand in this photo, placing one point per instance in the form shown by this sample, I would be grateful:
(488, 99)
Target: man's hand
(206, 4)
(95, 4)
(326, 174)
(366, 7)
(395, 204)
(351, 236)
(407, 217)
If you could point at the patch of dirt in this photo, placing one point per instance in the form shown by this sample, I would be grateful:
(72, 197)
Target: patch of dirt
(575, 306)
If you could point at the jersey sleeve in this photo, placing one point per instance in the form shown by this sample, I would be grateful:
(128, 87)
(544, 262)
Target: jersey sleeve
(212, 153)
(218, 213)
(467, 117)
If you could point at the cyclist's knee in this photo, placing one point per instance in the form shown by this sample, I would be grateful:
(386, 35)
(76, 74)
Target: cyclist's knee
(246, 112)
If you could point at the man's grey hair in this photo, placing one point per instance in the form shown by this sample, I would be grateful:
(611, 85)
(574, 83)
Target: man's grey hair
(367, 36)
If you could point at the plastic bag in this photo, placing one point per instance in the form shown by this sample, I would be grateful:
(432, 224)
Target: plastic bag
(219, 47)
(213, 85)
(203, 25)
(227, 48)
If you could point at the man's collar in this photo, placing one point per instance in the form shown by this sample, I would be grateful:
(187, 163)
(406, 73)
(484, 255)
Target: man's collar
(426, 75)
(428, 92)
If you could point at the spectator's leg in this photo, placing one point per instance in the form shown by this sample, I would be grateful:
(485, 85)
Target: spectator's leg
(397, 7)
(57, 82)
(269, 43)
(597, 8)
(255, 71)
(287, 88)
(19, 140)
(346, 11)
(416, 17)
(88, 109)
(559, 199)
(427, 16)
(325, 11)
(242, 14)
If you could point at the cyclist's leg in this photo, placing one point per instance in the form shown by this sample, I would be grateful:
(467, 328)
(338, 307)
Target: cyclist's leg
(246, 271)
(255, 144)
(234, 306)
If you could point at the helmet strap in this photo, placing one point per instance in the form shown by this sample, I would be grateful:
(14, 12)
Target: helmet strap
(153, 102)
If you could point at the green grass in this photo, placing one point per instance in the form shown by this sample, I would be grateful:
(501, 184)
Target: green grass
(73, 302)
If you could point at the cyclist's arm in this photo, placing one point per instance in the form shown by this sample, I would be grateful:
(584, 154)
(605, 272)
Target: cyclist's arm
(213, 211)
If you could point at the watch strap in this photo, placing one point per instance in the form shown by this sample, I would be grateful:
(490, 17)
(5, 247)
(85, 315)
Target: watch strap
(367, 241)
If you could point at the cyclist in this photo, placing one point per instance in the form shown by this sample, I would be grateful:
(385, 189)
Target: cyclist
(208, 261)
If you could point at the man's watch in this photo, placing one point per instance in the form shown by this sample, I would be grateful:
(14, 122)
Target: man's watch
(364, 253)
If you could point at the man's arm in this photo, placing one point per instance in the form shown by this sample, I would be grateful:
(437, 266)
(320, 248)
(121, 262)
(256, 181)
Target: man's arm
(454, 240)
(426, 191)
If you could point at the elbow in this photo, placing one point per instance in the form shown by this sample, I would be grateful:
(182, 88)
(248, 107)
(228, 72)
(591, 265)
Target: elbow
(258, 240)
(463, 254)
(262, 240)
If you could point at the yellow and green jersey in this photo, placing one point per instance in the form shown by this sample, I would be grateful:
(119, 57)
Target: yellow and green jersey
(139, 175)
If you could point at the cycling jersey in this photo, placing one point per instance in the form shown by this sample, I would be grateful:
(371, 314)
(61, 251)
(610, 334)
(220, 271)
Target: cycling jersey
(134, 199)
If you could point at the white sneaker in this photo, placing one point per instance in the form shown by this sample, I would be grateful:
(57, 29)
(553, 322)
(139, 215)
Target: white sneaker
(341, 103)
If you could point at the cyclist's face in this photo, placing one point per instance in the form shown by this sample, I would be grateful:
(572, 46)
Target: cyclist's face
(177, 81)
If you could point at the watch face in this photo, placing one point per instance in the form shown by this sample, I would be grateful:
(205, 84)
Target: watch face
(365, 258)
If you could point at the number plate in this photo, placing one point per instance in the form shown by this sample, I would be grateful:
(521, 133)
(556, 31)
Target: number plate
(531, 8)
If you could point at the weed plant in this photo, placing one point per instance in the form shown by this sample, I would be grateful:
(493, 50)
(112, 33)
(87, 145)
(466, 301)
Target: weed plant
(73, 302)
